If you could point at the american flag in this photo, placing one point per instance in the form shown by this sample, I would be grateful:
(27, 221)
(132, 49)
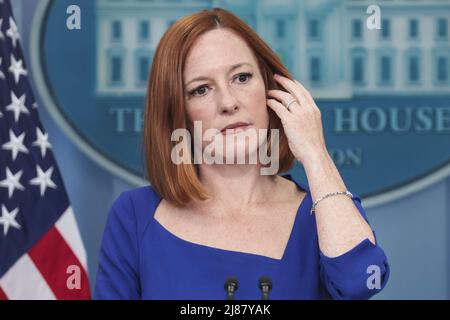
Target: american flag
(41, 252)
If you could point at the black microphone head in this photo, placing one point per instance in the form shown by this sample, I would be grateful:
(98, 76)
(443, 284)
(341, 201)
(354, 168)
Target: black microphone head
(233, 282)
(265, 281)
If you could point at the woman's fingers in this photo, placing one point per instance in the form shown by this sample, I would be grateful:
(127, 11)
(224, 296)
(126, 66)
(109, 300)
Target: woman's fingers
(285, 98)
(278, 108)
(305, 92)
(292, 88)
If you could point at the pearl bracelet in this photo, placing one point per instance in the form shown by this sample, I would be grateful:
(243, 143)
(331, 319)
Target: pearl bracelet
(348, 193)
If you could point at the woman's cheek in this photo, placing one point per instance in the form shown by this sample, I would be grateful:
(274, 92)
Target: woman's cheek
(197, 112)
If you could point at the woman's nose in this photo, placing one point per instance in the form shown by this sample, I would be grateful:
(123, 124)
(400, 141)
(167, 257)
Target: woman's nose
(228, 102)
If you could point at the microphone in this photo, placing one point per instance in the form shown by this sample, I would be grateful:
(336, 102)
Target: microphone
(231, 285)
(265, 285)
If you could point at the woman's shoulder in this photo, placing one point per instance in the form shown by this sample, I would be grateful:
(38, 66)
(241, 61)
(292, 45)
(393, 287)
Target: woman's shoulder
(137, 198)
(141, 196)
(134, 207)
(296, 184)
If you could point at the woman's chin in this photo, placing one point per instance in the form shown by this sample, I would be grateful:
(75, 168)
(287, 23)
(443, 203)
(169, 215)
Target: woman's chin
(236, 151)
(240, 156)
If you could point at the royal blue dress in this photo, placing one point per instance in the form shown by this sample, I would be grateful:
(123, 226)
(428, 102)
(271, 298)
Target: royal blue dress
(140, 259)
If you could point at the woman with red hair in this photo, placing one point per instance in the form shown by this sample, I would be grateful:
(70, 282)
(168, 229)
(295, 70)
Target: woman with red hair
(223, 229)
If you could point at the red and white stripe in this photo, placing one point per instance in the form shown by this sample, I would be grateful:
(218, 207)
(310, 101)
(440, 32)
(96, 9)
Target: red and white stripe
(41, 273)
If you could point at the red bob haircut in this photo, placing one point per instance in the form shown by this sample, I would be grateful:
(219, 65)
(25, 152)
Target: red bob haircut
(165, 102)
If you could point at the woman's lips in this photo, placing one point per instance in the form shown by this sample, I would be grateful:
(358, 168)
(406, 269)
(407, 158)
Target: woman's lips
(236, 129)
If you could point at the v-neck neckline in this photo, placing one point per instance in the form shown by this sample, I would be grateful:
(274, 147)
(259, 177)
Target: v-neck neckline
(241, 253)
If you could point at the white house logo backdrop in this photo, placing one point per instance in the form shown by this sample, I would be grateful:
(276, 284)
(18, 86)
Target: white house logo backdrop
(384, 91)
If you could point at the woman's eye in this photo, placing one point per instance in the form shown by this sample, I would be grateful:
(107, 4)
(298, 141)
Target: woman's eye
(244, 77)
(199, 90)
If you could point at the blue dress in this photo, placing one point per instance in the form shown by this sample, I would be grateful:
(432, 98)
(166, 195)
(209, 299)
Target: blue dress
(140, 259)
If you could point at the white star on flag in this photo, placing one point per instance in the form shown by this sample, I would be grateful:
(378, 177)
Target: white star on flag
(12, 32)
(16, 69)
(15, 144)
(2, 75)
(12, 181)
(43, 179)
(17, 106)
(1, 114)
(42, 141)
(9, 219)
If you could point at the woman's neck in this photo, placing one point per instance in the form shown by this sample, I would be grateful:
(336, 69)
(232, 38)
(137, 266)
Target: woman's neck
(236, 187)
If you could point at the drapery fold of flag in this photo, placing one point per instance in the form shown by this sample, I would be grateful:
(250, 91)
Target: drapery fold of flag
(41, 252)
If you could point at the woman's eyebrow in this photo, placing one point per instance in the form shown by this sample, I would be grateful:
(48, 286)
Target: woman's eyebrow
(233, 67)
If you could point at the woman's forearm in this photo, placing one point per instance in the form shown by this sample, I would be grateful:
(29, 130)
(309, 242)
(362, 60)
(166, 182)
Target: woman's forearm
(340, 225)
